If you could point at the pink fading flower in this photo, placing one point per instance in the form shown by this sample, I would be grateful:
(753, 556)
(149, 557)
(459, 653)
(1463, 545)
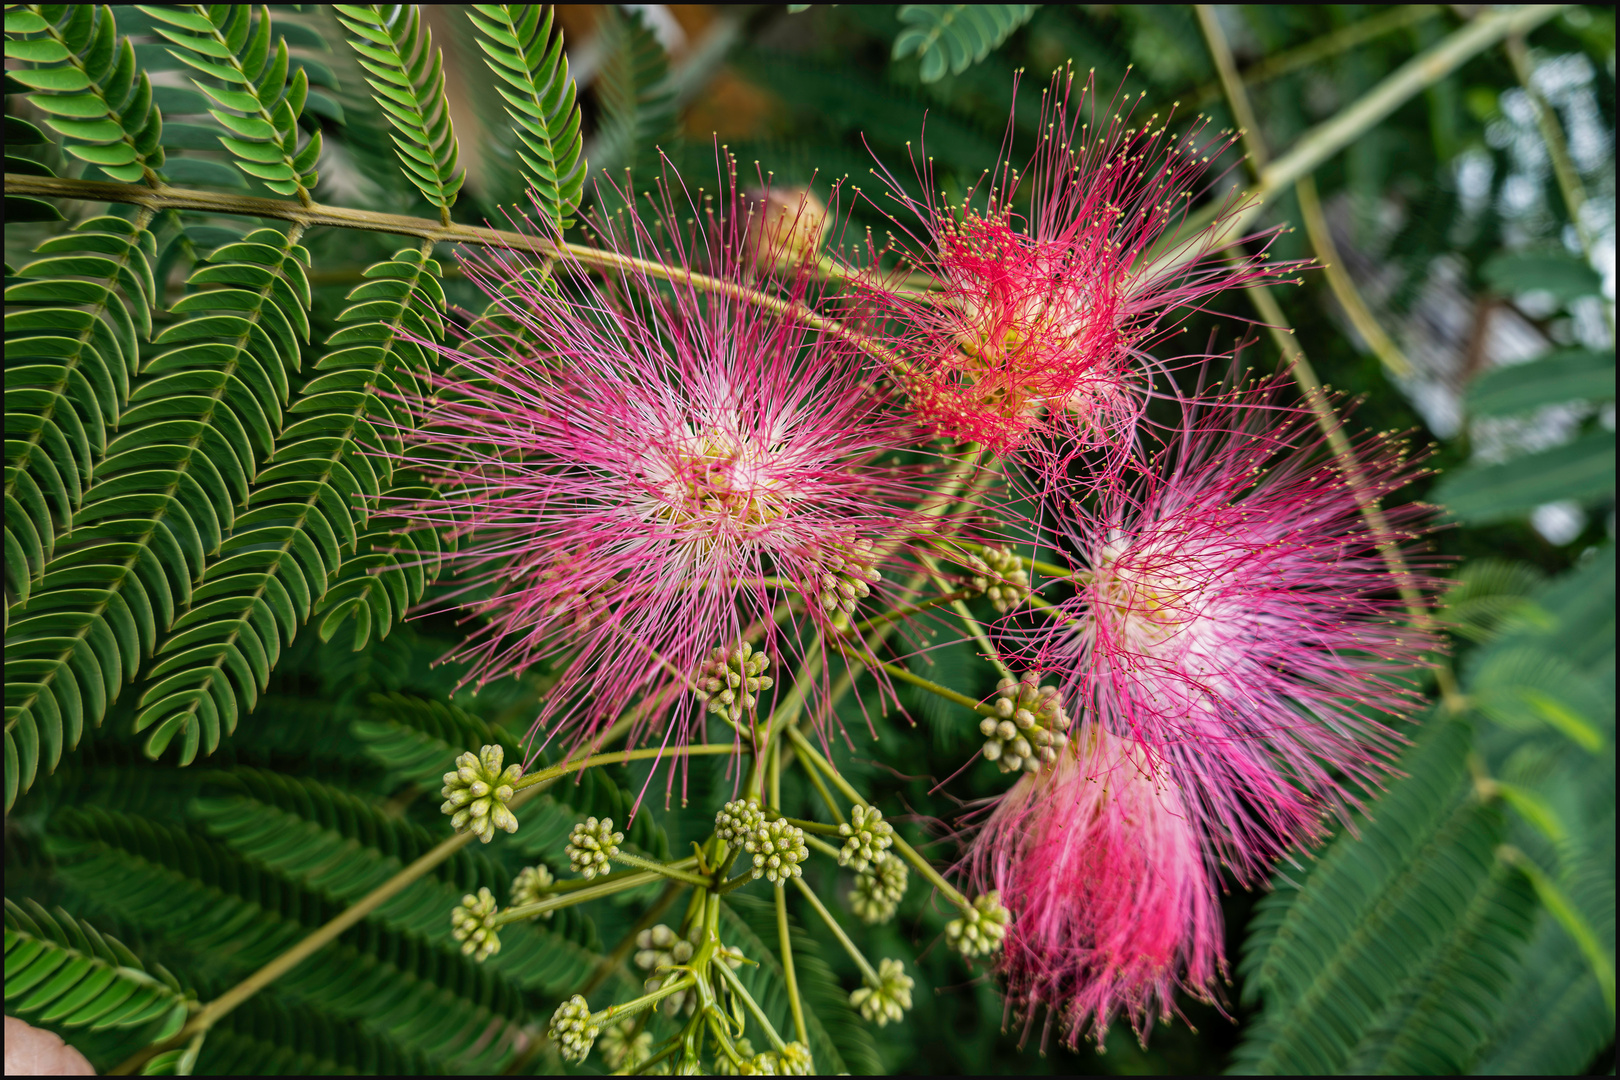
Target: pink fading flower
(1235, 616)
(1112, 905)
(646, 469)
(1037, 320)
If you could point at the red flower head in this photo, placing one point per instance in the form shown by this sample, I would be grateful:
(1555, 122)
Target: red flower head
(1112, 905)
(1037, 319)
(649, 467)
(1236, 616)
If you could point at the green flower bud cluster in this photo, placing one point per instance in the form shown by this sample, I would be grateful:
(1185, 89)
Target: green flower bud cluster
(879, 890)
(778, 848)
(659, 951)
(1001, 576)
(730, 681)
(590, 845)
(848, 572)
(1031, 725)
(622, 1048)
(888, 998)
(869, 836)
(794, 1060)
(981, 929)
(472, 923)
(476, 794)
(737, 821)
(573, 1030)
(529, 887)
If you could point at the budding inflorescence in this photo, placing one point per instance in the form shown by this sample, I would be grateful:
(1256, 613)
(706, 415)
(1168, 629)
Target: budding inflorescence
(660, 950)
(530, 887)
(476, 794)
(869, 836)
(472, 923)
(888, 997)
(879, 889)
(730, 681)
(1001, 576)
(622, 1047)
(848, 573)
(980, 930)
(778, 848)
(590, 845)
(1031, 725)
(574, 1030)
(737, 820)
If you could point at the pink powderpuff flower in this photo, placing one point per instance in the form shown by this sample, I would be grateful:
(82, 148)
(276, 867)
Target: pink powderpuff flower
(1112, 904)
(1235, 615)
(1035, 322)
(642, 469)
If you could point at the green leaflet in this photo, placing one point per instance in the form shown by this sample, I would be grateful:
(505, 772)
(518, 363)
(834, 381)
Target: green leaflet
(408, 78)
(1582, 470)
(256, 94)
(954, 37)
(87, 82)
(61, 970)
(304, 521)
(265, 1037)
(540, 99)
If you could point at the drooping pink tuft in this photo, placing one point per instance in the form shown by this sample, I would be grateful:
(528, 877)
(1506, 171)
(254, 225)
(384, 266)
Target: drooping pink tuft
(1036, 321)
(1112, 905)
(1235, 615)
(644, 469)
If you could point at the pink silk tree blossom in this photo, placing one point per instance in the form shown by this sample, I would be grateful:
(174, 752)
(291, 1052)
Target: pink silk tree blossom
(1112, 904)
(1036, 313)
(1235, 616)
(646, 468)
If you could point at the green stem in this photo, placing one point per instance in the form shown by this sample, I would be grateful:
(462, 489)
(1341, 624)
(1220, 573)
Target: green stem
(614, 1013)
(659, 868)
(826, 796)
(621, 757)
(909, 610)
(786, 948)
(748, 1001)
(855, 954)
(813, 757)
(926, 684)
(591, 892)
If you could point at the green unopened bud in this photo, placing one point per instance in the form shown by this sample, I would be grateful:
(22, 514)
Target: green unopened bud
(472, 923)
(590, 845)
(476, 794)
(981, 929)
(573, 1029)
(778, 848)
(1001, 576)
(661, 951)
(737, 820)
(889, 997)
(1030, 728)
(794, 1060)
(622, 1048)
(869, 836)
(879, 889)
(731, 681)
(848, 573)
(530, 887)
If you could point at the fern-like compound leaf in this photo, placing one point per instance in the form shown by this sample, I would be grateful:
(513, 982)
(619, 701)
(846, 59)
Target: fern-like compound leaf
(540, 97)
(408, 77)
(305, 512)
(638, 105)
(953, 37)
(70, 974)
(85, 80)
(258, 96)
(73, 321)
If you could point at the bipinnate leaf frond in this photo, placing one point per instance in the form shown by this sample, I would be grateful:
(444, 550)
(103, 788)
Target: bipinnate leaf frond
(61, 970)
(638, 105)
(74, 321)
(541, 100)
(257, 94)
(953, 37)
(85, 79)
(304, 519)
(408, 78)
